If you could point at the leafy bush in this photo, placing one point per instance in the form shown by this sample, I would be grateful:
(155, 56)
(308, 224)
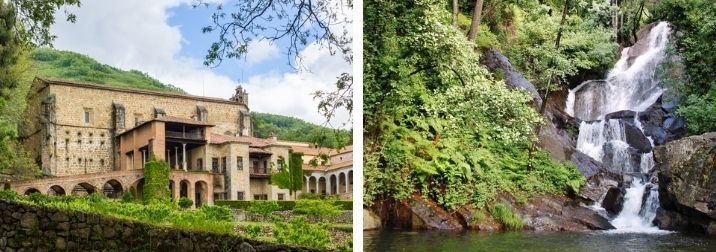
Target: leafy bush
(8, 194)
(504, 215)
(346, 246)
(128, 197)
(283, 204)
(313, 196)
(185, 202)
(299, 232)
(264, 208)
(253, 231)
(216, 213)
(317, 208)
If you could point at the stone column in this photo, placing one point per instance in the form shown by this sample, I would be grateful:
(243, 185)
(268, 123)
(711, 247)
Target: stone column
(328, 185)
(177, 190)
(183, 162)
(345, 179)
(190, 193)
(176, 157)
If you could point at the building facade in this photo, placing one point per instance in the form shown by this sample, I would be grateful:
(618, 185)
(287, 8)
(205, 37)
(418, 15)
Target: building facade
(105, 134)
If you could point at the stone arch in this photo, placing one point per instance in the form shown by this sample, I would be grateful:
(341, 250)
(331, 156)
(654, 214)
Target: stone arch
(321, 185)
(350, 181)
(83, 189)
(113, 189)
(31, 190)
(312, 185)
(201, 193)
(184, 188)
(56, 190)
(342, 183)
(138, 189)
(333, 184)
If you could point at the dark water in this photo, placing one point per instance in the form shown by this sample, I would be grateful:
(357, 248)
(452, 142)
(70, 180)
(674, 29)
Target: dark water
(533, 242)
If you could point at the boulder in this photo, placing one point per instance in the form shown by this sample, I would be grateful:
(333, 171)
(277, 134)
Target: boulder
(498, 63)
(687, 181)
(635, 138)
(477, 219)
(587, 165)
(587, 217)
(598, 185)
(614, 200)
(428, 215)
(371, 221)
(559, 134)
(620, 157)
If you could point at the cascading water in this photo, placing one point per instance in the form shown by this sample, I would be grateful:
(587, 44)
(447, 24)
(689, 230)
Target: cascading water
(630, 85)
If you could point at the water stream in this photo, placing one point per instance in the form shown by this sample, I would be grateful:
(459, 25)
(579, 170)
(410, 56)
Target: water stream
(630, 85)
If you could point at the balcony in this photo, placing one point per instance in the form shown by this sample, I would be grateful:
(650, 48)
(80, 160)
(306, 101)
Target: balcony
(262, 173)
(193, 135)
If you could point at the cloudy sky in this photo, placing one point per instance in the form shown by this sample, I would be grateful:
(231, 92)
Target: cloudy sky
(164, 39)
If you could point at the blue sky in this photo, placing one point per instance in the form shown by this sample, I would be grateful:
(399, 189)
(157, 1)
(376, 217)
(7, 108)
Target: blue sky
(164, 39)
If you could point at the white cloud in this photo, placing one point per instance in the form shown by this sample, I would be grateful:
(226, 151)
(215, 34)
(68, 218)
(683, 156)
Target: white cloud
(135, 34)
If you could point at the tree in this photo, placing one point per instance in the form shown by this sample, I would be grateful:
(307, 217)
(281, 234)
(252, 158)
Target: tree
(291, 177)
(476, 17)
(298, 22)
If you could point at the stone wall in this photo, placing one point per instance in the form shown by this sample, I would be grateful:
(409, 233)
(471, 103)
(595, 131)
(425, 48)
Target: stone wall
(32, 228)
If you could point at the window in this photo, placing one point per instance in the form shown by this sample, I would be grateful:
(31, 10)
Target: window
(260, 196)
(223, 164)
(87, 116)
(280, 196)
(240, 195)
(215, 165)
(240, 163)
(200, 163)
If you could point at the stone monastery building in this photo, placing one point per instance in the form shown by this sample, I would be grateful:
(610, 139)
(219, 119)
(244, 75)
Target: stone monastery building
(91, 138)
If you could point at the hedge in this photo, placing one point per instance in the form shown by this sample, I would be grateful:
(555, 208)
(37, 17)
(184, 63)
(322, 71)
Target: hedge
(283, 204)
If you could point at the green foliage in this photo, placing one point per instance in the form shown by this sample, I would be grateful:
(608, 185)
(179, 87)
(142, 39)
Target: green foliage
(8, 194)
(312, 196)
(299, 232)
(696, 22)
(264, 208)
(68, 65)
(294, 129)
(185, 202)
(207, 218)
(284, 205)
(156, 179)
(128, 197)
(437, 123)
(317, 208)
(504, 215)
(253, 231)
(292, 177)
(346, 246)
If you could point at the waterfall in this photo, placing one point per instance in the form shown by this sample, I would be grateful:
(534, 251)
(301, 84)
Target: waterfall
(630, 85)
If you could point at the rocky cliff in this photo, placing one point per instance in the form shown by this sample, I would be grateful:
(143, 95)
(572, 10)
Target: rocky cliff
(687, 184)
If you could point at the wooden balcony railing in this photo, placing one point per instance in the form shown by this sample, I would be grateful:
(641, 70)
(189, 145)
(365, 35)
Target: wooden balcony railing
(196, 135)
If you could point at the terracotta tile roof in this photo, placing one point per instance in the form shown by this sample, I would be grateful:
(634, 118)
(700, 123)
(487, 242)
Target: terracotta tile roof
(324, 168)
(253, 141)
(312, 151)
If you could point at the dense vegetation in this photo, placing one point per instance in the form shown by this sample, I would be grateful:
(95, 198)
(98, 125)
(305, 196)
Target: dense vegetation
(294, 129)
(68, 65)
(695, 21)
(438, 123)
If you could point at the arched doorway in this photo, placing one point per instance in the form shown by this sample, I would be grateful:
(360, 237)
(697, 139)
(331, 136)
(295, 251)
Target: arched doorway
(334, 184)
(112, 189)
(201, 193)
(342, 183)
(312, 188)
(184, 189)
(322, 185)
(56, 190)
(83, 189)
(138, 189)
(31, 190)
(350, 181)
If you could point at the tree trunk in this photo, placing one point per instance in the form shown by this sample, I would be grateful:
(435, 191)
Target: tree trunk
(475, 25)
(455, 11)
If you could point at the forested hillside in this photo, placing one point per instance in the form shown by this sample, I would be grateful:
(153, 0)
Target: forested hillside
(294, 129)
(68, 65)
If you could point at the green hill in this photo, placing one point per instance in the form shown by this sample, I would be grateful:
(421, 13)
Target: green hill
(68, 65)
(294, 129)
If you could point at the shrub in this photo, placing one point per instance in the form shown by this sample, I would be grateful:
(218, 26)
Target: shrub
(128, 197)
(218, 213)
(8, 194)
(283, 204)
(504, 215)
(317, 208)
(185, 202)
(253, 231)
(346, 246)
(309, 196)
(264, 208)
(299, 232)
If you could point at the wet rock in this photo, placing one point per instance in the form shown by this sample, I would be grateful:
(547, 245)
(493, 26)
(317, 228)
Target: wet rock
(246, 247)
(371, 221)
(598, 185)
(687, 181)
(635, 138)
(499, 64)
(587, 165)
(432, 216)
(619, 157)
(587, 217)
(614, 200)
(478, 219)
(642, 43)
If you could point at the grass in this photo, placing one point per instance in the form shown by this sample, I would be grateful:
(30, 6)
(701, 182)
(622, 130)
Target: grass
(347, 227)
(504, 215)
